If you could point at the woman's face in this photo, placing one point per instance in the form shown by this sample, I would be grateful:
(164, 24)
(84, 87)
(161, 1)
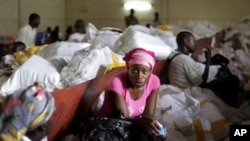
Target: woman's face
(138, 75)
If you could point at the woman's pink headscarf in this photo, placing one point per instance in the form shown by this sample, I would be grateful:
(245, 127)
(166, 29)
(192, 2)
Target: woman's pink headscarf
(140, 56)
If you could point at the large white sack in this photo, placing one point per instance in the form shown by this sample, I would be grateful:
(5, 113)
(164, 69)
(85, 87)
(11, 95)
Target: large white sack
(132, 39)
(87, 64)
(91, 32)
(176, 107)
(201, 28)
(139, 28)
(107, 38)
(176, 28)
(235, 115)
(174, 135)
(167, 36)
(113, 29)
(60, 53)
(219, 124)
(229, 33)
(242, 58)
(242, 25)
(34, 69)
(175, 97)
(191, 115)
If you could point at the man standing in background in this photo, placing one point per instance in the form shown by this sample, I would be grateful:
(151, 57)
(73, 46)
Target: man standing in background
(131, 19)
(156, 20)
(27, 34)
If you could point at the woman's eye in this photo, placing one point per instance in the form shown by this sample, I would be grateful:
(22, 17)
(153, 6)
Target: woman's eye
(132, 70)
(135, 71)
(145, 71)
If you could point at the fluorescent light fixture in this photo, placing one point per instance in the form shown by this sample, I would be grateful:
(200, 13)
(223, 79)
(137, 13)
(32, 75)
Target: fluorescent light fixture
(138, 5)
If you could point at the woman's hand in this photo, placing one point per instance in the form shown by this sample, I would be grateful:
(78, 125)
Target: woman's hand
(151, 126)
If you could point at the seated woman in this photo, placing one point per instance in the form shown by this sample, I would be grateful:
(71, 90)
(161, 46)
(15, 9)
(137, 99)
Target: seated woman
(26, 115)
(134, 93)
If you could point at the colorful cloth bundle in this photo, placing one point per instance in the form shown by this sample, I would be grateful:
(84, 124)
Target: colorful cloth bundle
(25, 110)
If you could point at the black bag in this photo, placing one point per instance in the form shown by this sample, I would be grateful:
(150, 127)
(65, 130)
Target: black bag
(223, 72)
(114, 129)
(108, 129)
(219, 59)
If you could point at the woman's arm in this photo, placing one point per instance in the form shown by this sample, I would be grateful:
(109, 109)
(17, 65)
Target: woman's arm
(118, 103)
(148, 121)
(151, 104)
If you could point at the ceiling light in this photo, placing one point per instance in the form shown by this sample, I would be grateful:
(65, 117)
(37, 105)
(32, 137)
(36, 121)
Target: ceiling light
(138, 5)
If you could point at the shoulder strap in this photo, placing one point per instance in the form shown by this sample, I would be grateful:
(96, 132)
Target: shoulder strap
(164, 72)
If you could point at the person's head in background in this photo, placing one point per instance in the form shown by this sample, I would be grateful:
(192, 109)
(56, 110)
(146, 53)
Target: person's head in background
(34, 20)
(79, 26)
(3, 50)
(132, 12)
(156, 15)
(148, 25)
(69, 30)
(186, 42)
(18, 46)
(49, 29)
(56, 29)
(26, 114)
(140, 63)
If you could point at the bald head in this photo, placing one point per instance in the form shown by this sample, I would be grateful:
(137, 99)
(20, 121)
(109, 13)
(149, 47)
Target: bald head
(186, 42)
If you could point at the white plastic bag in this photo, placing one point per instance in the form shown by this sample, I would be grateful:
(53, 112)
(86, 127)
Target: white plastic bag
(60, 53)
(87, 64)
(34, 69)
(132, 39)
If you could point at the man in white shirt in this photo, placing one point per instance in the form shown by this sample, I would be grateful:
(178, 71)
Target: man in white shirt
(183, 71)
(27, 34)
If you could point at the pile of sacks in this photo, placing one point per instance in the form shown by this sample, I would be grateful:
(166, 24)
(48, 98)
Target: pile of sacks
(62, 64)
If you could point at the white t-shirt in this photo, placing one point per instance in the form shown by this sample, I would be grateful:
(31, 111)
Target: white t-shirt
(27, 35)
(76, 37)
(184, 72)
